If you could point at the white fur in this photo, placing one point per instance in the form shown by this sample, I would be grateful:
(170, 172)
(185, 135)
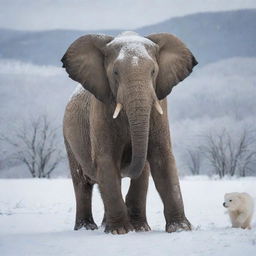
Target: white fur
(240, 209)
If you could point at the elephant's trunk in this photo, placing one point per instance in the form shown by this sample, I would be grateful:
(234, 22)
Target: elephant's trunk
(138, 109)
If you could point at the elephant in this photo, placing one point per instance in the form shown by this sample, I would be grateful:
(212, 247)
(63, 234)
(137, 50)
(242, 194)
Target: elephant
(116, 125)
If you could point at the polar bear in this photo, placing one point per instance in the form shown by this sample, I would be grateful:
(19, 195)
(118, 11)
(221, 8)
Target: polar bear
(240, 209)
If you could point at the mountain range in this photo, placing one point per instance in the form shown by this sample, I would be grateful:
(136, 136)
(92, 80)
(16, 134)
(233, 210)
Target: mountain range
(211, 36)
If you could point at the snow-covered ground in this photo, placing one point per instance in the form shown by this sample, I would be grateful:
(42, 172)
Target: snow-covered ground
(37, 217)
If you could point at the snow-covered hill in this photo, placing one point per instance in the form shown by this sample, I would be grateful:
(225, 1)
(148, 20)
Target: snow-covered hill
(212, 36)
(37, 217)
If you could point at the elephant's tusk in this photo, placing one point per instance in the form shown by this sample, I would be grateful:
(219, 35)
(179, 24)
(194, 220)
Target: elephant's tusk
(117, 110)
(158, 107)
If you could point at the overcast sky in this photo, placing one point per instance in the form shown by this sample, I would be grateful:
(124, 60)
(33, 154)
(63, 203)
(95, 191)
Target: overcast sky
(103, 14)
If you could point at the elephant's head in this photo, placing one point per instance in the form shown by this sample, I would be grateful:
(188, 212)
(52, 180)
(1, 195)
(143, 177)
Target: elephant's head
(132, 72)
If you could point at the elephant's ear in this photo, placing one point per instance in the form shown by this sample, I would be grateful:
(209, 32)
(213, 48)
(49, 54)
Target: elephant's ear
(84, 62)
(175, 62)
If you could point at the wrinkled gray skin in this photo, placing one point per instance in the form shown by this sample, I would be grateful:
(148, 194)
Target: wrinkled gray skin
(136, 72)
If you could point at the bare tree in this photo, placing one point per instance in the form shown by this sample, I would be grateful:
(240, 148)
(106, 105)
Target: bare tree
(35, 145)
(230, 155)
(193, 161)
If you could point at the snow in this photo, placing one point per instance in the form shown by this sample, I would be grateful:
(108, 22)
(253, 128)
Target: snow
(135, 60)
(37, 217)
(133, 45)
(129, 37)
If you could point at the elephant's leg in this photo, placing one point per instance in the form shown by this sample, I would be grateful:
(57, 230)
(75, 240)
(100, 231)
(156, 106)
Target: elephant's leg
(117, 219)
(136, 201)
(165, 176)
(83, 194)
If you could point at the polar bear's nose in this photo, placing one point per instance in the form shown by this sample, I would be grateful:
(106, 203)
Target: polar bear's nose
(224, 204)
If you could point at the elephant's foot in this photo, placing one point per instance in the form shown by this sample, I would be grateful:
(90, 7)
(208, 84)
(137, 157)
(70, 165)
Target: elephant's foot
(139, 223)
(141, 226)
(119, 229)
(89, 224)
(177, 226)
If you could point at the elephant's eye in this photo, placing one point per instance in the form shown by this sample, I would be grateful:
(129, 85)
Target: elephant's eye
(115, 73)
(153, 72)
(230, 200)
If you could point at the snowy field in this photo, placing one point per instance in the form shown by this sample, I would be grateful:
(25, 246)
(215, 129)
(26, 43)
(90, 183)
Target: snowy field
(37, 217)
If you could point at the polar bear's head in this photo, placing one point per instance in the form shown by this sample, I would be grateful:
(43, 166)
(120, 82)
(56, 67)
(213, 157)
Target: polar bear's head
(232, 201)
